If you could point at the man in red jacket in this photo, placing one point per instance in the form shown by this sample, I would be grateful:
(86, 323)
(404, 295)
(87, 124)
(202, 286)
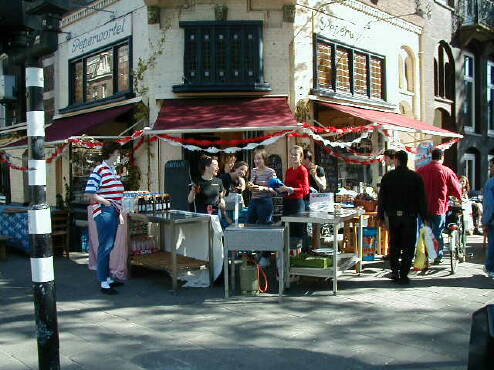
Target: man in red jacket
(440, 182)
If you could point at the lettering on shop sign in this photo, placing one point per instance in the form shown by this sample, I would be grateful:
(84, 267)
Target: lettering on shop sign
(101, 36)
(340, 31)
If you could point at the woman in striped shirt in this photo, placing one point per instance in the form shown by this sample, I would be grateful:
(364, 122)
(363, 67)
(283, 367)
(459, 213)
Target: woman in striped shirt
(105, 193)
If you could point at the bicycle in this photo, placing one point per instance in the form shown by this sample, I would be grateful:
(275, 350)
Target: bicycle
(455, 229)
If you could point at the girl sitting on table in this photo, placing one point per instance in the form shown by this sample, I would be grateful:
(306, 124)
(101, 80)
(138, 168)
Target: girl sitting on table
(207, 192)
(296, 188)
(234, 182)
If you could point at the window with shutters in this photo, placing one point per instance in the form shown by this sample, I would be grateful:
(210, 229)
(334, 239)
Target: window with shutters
(349, 71)
(222, 56)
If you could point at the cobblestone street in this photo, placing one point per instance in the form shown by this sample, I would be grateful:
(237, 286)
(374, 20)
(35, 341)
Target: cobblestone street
(371, 324)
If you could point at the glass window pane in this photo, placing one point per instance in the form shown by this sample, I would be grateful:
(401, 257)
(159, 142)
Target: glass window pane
(324, 66)
(78, 94)
(220, 47)
(490, 108)
(342, 69)
(377, 79)
(236, 45)
(123, 68)
(360, 73)
(99, 76)
(468, 66)
(191, 56)
(468, 103)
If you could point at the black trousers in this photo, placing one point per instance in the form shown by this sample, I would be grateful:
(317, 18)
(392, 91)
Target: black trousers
(402, 239)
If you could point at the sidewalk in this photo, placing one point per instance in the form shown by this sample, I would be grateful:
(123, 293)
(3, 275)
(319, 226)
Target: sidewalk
(371, 324)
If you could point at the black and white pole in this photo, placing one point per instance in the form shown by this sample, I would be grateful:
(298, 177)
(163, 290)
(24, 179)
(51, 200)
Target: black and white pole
(39, 224)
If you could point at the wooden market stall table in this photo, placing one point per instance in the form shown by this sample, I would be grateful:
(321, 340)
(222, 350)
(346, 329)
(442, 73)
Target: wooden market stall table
(172, 261)
(256, 238)
(347, 259)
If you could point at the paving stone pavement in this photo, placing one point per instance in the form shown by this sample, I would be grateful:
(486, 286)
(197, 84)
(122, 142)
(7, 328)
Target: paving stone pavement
(371, 323)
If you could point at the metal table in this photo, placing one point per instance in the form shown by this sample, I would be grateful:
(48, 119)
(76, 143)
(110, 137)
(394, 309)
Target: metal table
(350, 259)
(255, 238)
(174, 218)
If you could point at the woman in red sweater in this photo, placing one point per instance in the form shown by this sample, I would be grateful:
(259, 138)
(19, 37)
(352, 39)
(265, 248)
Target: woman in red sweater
(297, 187)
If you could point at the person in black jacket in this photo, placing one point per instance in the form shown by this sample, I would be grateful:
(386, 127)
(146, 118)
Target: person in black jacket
(401, 200)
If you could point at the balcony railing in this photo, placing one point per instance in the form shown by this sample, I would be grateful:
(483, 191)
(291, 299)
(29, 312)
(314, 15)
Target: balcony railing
(476, 13)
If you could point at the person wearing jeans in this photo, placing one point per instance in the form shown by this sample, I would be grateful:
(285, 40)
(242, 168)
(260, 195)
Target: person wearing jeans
(488, 220)
(105, 191)
(440, 182)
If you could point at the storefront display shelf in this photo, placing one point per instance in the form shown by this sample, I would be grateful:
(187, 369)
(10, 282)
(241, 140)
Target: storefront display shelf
(341, 261)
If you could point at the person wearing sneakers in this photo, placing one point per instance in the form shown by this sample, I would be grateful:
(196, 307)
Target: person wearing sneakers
(105, 192)
(401, 200)
(488, 220)
(440, 182)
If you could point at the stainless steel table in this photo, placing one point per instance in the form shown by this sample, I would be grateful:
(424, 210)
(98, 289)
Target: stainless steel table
(255, 238)
(174, 218)
(348, 259)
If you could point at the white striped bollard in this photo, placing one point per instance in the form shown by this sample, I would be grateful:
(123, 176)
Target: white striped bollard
(39, 224)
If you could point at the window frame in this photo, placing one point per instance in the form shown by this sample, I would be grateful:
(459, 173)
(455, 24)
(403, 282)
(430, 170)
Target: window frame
(117, 95)
(352, 50)
(472, 128)
(490, 91)
(203, 56)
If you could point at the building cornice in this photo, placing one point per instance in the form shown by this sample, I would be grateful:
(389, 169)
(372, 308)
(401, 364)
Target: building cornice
(82, 13)
(385, 17)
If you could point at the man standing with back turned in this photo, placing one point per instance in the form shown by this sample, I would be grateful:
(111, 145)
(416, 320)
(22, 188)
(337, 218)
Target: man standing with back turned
(440, 182)
(401, 200)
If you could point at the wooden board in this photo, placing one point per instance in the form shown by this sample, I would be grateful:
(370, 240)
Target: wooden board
(163, 261)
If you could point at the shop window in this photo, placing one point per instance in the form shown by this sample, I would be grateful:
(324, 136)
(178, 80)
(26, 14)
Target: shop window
(350, 71)
(490, 96)
(469, 96)
(444, 75)
(222, 56)
(100, 76)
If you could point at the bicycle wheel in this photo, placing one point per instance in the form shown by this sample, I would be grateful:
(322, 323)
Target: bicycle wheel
(454, 240)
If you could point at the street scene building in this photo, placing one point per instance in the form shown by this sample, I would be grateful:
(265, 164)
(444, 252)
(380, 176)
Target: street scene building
(153, 110)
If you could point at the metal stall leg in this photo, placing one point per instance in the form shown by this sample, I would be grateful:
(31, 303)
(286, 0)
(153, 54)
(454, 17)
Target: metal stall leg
(173, 247)
(360, 241)
(281, 277)
(211, 252)
(335, 258)
(287, 255)
(225, 268)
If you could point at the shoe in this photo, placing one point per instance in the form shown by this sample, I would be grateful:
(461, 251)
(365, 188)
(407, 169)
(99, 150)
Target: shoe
(116, 284)
(488, 273)
(404, 280)
(109, 291)
(264, 262)
(393, 276)
(438, 261)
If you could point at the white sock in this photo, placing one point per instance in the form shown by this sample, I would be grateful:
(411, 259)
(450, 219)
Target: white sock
(110, 280)
(105, 285)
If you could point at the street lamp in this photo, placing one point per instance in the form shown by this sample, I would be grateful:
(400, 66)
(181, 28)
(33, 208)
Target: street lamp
(31, 29)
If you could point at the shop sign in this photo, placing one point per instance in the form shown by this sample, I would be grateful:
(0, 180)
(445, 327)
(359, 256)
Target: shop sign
(101, 36)
(423, 155)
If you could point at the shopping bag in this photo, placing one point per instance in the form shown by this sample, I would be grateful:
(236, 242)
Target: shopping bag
(420, 262)
(431, 244)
